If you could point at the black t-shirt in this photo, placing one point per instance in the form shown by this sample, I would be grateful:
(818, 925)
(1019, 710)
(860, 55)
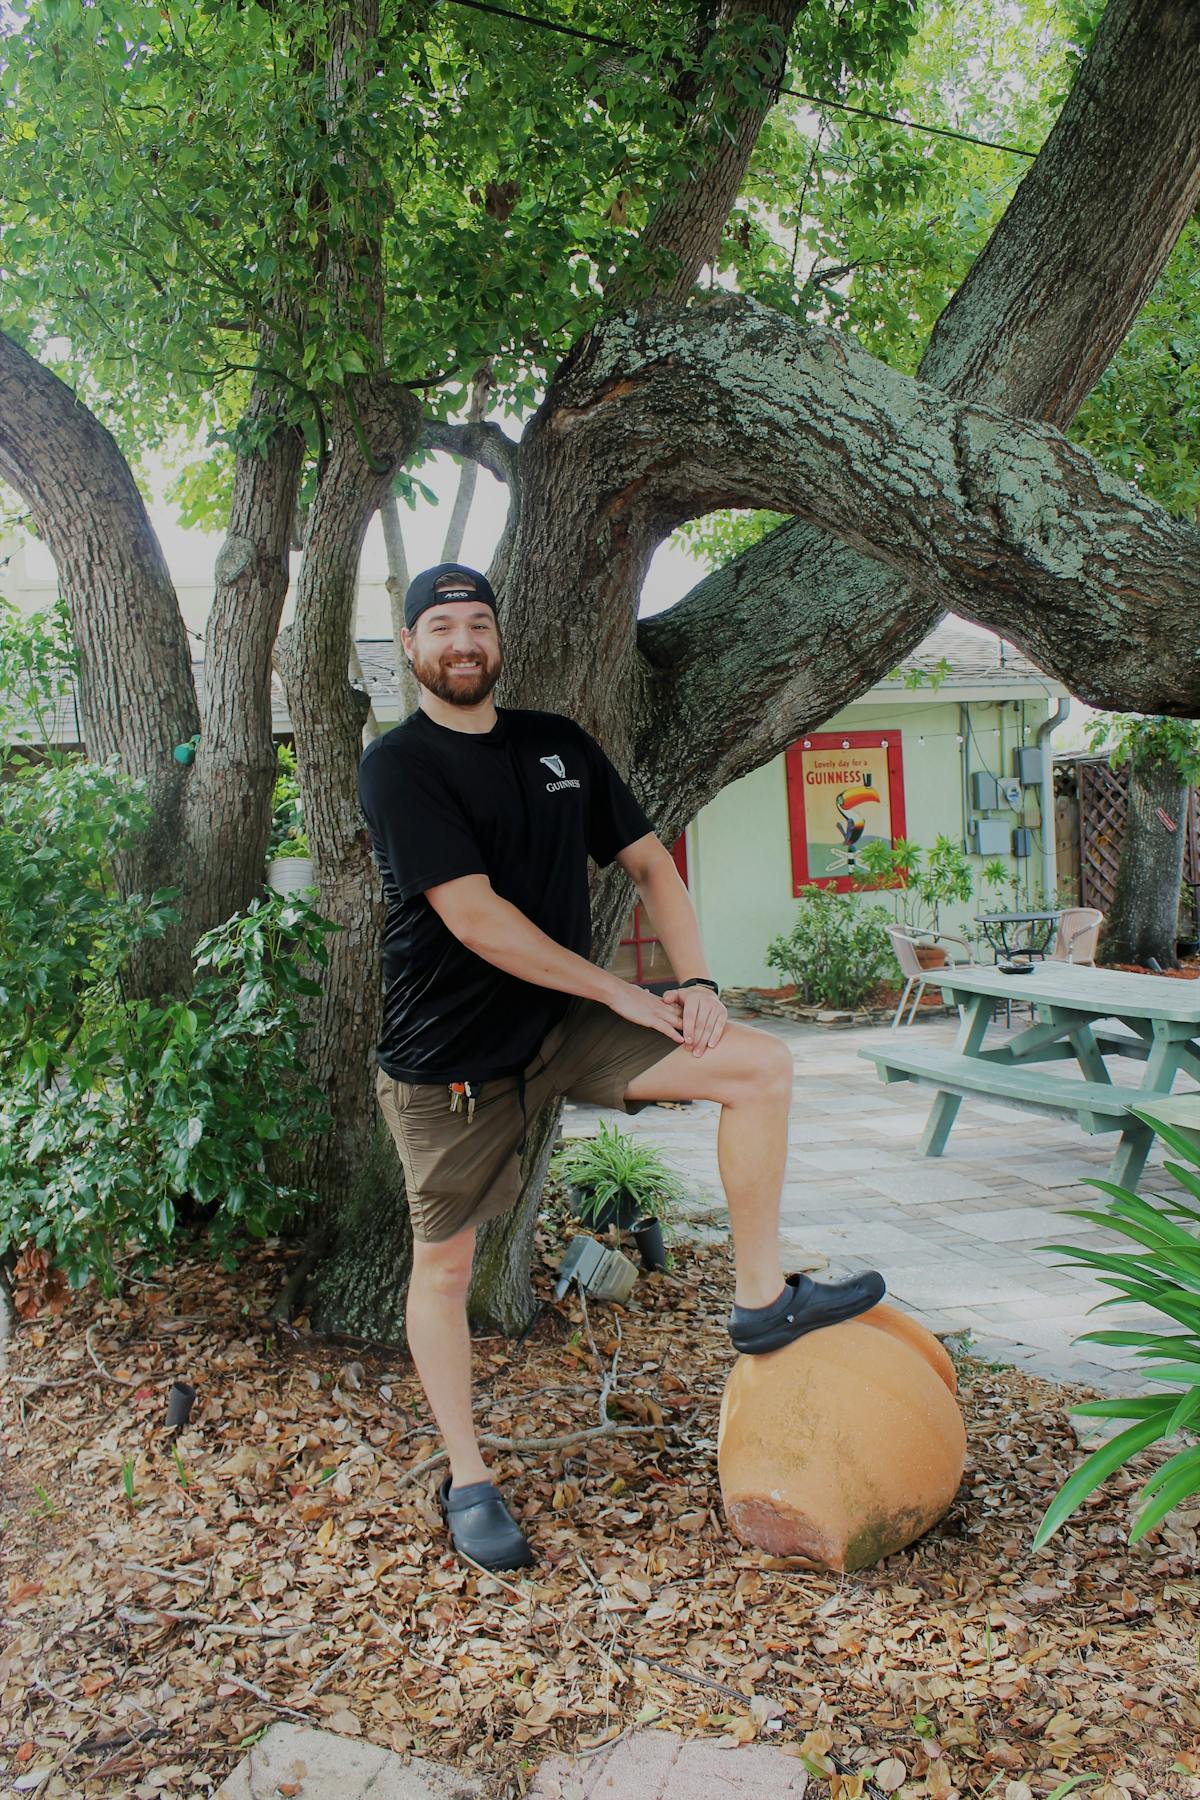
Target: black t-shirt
(525, 804)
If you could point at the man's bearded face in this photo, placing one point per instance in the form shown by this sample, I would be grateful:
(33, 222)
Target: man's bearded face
(456, 652)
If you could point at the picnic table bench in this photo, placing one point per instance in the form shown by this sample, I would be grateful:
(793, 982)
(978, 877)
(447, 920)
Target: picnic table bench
(1084, 1016)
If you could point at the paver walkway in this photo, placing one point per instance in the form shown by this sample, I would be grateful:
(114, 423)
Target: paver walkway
(956, 1237)
(308, 1764)
(657, 1765)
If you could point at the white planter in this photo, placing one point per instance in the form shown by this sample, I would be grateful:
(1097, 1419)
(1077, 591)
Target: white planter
(290, 874)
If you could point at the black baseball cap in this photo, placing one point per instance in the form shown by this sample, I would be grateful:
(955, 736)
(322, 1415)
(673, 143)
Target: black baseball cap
(445, 581)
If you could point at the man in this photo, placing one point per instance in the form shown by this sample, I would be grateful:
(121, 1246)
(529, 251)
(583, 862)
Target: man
(482, 821)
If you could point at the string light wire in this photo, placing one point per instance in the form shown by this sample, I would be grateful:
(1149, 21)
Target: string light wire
(562, 29)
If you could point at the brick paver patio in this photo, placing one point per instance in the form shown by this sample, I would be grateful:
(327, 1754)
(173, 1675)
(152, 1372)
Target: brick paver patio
(956, 1236)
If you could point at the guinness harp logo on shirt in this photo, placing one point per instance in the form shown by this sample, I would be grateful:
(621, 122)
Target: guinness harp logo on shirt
(554, 764)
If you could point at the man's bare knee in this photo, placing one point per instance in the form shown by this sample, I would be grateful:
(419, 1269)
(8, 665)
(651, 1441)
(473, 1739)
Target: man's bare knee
(443, 1269)
(766, 1067)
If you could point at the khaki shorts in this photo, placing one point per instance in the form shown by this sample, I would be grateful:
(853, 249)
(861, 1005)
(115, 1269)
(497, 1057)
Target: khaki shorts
(457, 1174)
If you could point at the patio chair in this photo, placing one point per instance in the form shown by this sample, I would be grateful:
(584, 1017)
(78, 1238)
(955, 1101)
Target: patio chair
(1077, 935)
(916, 973)
(1074, 942)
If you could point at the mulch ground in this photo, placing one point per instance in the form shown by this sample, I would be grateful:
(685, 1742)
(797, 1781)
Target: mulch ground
(169, 1595)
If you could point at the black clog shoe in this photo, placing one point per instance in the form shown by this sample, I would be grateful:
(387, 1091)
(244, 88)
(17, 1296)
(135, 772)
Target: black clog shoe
(808, 1307)
(482, 1528)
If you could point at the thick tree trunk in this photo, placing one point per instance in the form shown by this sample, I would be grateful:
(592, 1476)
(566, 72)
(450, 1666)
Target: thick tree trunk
(210, 820)
(137, 700)
(713, 688)
(366, 446)
(229, 800)
(1144, 919)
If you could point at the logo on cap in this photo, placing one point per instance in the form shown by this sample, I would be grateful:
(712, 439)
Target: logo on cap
(554, 764)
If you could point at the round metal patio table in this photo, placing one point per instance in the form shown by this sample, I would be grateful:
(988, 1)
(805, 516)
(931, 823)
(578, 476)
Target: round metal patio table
(1003, 930)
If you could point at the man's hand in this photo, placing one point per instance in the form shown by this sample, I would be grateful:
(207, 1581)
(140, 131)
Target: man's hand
(642, 1007)
(704, 1017)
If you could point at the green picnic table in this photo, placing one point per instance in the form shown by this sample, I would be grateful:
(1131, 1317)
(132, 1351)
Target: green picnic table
(1085, 1017)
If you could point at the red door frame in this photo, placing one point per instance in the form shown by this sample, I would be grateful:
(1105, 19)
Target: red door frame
(794, 762)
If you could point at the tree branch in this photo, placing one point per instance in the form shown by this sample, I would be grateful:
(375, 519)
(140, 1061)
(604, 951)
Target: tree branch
(1006, 521)
(683, 234)
(484, 443)
(1031, 329)
(1061, 279)
(137, 699)
(744, 665)
(460, 512)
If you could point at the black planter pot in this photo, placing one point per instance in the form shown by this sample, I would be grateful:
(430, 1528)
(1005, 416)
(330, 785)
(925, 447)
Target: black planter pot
(621, 1212)
(647, 1235)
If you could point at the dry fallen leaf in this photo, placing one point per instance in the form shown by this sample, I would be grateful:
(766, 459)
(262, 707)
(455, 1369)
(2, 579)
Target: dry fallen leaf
(294, 1543)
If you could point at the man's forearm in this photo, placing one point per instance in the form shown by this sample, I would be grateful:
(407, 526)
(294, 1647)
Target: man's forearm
(502, 935)
(670, 909)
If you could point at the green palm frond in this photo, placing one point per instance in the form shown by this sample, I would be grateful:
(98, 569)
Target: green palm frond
(1161, 1272)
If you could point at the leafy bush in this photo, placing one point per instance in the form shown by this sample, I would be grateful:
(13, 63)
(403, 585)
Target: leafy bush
(611, 1164)
(112, 1112)
(1163, 1273)
(105, 1127)
(837, 951)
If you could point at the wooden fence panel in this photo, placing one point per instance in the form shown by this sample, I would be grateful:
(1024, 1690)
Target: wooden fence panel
(1103, 802)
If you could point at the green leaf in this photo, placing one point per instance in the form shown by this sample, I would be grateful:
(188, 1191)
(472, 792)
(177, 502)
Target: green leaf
(1096, 1469)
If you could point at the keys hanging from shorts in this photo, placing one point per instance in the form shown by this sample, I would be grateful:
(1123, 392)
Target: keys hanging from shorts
(464, 1093)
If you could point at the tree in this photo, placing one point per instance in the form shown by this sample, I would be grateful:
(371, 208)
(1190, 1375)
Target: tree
(314, 212)
(1163, 758)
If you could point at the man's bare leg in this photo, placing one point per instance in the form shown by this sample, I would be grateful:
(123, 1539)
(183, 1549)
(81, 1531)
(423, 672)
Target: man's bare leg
(749, 1073)
(440, 1342)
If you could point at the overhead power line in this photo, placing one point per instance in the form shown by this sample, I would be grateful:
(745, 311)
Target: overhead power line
(562, 29)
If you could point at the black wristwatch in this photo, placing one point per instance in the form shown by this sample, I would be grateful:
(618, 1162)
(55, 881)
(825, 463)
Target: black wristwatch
(702, 981)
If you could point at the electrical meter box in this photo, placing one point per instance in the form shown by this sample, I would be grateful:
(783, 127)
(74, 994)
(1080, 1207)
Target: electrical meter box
(1022, 842)
(989, 837)
(1027, 766)
(985, 795)
(1010, 794)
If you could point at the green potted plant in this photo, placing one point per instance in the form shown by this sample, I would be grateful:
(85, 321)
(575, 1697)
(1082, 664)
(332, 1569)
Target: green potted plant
(613, 1179)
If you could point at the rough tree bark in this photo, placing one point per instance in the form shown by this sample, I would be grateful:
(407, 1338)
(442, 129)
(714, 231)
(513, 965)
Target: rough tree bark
(1144, 918)
(1055, 289)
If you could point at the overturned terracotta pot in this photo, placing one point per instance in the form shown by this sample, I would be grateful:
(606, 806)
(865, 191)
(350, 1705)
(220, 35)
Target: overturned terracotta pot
(844, 1446)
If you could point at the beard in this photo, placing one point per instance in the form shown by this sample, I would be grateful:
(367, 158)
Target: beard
(433, 672)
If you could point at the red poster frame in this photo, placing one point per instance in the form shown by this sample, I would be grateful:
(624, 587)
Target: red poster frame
(794, 761)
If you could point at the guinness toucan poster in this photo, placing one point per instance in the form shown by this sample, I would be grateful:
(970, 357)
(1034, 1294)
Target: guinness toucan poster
(845, 790)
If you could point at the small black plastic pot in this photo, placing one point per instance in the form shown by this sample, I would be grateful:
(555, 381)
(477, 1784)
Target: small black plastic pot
(647, 1235)
(621, 1212)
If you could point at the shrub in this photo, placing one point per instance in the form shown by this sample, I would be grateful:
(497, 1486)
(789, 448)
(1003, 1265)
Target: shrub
(112, 1112)
(1163, 1273)
(611, 1164)
(837, 951)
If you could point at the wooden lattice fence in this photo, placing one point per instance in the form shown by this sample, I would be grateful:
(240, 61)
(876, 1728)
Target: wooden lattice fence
(1103, 798)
